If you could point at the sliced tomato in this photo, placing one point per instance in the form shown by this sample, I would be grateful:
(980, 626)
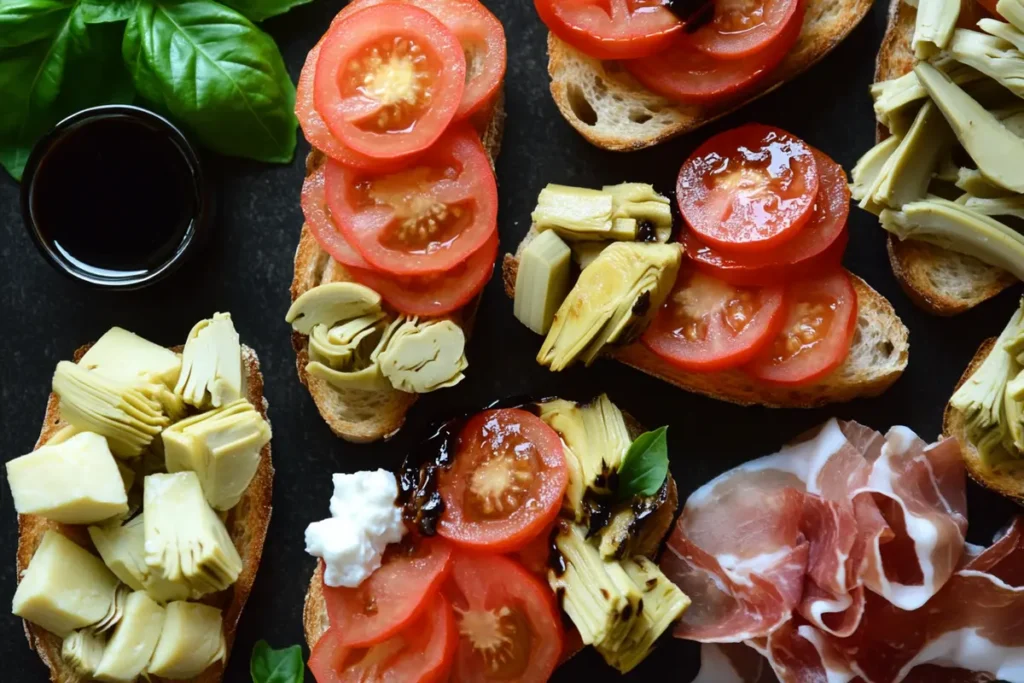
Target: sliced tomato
(742, 27)
(707, 324)
(816, 336)
(421, 653)
(425, 219)
(683, 73)
(391, 597)
(611, 29)
(506, 484)
(817, 249)
(483, 42)
(389, 80)
(508, 622)
(318, 217)
(535, 556)
(317, 132)
(748, 189)
(434, 295)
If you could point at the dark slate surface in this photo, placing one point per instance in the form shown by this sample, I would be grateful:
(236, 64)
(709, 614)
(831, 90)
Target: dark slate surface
(248, 265)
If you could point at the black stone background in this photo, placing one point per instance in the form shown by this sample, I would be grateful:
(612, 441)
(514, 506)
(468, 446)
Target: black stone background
(247, 267)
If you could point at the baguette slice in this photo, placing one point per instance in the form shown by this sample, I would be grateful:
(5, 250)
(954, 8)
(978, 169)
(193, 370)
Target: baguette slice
(1009, 483)
(246, 522)
(942, 282)
(613, 111)
(876, 360)
(315, 621)
(363, 416)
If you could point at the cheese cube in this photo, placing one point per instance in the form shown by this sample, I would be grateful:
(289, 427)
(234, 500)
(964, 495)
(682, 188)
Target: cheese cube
(74, 482)
(65, 587)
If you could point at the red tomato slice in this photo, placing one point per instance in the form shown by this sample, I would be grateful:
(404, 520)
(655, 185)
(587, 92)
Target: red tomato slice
(391, 597)
(742, 27)
(707, 324)
(483, 42)
(325, 232)
(434, 295)
(816, 336)
(507, 482)
(818, 247)
(422, 220)
(508, 622)
(316, 131)
(535, 556)
(683, 73)
(748, 189)
(422, 653)
(611, 29)
(389, 80)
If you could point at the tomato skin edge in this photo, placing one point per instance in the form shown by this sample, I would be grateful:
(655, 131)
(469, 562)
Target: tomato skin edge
(623, 48)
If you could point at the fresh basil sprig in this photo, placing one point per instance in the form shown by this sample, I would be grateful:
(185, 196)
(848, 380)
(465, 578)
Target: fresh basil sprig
(224, 79)
(276, 666)
(645, 465)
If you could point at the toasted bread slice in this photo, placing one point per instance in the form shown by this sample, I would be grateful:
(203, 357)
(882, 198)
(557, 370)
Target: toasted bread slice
(361, 416)
(614, 111)
(247, 523)
(1010, 482)
(942, 282)
(876, 360)
(315, 621)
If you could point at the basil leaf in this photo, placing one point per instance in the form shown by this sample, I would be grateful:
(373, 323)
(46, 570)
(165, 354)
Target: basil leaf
(258, 10)
(645, 467)
(104, 11)
(212, 70)
(26, 21)
(71, 66)
(276, 666)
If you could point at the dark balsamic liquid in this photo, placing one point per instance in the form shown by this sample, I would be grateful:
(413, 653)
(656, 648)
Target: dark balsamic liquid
(115, 198)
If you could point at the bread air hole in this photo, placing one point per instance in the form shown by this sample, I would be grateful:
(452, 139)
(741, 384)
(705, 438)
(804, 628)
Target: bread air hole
(640, 115)
(580, 106)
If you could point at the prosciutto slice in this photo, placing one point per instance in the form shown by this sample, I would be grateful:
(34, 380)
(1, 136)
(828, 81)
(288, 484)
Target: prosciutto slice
(841, 558)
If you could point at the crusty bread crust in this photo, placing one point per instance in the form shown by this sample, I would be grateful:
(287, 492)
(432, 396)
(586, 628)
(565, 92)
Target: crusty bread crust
(846, 383)
(363, 417)
(919, 266)
(1008, 483)
(247, 523)
(826, 24)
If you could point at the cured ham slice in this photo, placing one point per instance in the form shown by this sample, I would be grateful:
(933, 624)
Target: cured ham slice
(842, 559)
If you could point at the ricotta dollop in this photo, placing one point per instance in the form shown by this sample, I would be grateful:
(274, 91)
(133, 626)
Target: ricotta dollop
(365, 518)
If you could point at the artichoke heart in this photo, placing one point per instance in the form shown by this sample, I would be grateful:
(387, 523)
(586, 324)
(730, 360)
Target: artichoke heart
(83, 652)
(663, 605)
(627, 211)
(953, 226)
(222, 446)
(420, 357)
(992, 146)
(115, 613)
(994, 206)
(868, 170)
(542, 281)
(987, 401)
(1012, 11)
(649, 210)
(613, 301)
(331, 303)
(971, 181)
(186, 542)
(596, 433)
(598, 595)
(192, 640)
(125, 415)
(130, 647)
(895, 99)
(991, 55)
(934, 26)
(341, 352)
(211, 371)
(123, 549)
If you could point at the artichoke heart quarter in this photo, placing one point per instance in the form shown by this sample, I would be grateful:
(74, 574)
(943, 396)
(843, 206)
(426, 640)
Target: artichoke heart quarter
(612, 302)
(331, 303)
(186, 542)
(124, 414)
(83, 652)
(211, 369)
(420, 357)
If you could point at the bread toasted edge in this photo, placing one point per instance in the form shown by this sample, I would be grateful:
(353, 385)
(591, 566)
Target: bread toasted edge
(385, 411)
(247, 523)
(874, 312)
(656, 528)
(818, 37)
(1007, 483)
(917, 264)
